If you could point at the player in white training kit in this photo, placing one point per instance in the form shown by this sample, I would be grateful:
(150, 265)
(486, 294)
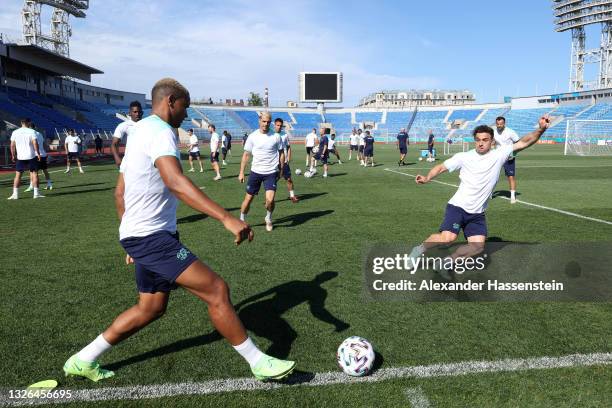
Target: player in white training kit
(310, 142)
(479, 173)
(353, 143)
(43, 147)
(72, 145)
(123, 130)
(25, 155)
(361, 147)
(265, 146)
(149, 186)
(215, 146)
(505, 136)
(194, 151)
(286, 150)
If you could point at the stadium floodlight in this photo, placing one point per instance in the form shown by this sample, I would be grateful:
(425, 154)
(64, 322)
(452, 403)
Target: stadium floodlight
(59, 39)
(588, 137)
(575, 15)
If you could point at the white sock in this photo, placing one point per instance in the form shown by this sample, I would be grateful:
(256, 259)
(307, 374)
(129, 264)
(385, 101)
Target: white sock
(291, 193)
(325, 174)
(31, 186)
(242, 216)
(93, 350)
(417, 251)
(15, 191)
(269, 216)
(249, 351)
(512, 194)
(35, 191)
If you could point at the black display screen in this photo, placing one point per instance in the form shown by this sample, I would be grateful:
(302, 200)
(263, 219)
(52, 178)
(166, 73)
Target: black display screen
(321, 87)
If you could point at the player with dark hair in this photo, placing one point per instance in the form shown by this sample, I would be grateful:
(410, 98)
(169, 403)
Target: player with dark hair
(332, 147)
(72, 145)
(479, 173)
(194, 151)
(322, 153)
(149, 186)
(215, 146)
(368, 149)
(402, 145)
(310, 141)
(505, 136)
(25, 155)
(124, 129)
(285, 151)
(430, 146)
(353, 143)
(226, 145)
(360, 138)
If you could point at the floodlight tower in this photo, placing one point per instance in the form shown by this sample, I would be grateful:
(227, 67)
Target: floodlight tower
(59, 39)
(575, 15)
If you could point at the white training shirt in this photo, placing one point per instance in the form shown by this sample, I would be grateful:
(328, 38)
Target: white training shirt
(23, 138)
(507, 137)
(214, 142)
(284, 146)
(310, 139)
(124, 130)
(149, 206)
(354, 139)
(330, 144)
(479, 174)
(41, 144)
(73, 143)
(264, 147)
(224, 141)
(361, 138)
(193, 142)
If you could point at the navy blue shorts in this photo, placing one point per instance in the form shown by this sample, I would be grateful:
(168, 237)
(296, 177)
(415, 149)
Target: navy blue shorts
(255, 180)
(23, 165)
(159, 259)
(361, 148)
(354, 147)
(403, 150)
(368, 152)
(510, 167)
(430, 148)
(224, 151)
(73, 155)
(42, 164)
(308, 150)
(286, 171)
(194, 155)
(214, 157)
(456, 218)
(323, 158)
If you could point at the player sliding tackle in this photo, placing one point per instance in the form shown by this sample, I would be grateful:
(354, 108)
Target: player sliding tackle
(149, 184)
(479, 172)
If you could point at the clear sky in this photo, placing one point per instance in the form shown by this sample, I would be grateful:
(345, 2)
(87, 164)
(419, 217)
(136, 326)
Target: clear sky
(224, 49)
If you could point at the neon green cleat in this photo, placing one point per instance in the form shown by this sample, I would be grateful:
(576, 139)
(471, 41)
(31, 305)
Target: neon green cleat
(75, 366)
(270, 368)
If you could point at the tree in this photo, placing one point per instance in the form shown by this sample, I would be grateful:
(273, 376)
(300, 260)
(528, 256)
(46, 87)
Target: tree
(255, 99)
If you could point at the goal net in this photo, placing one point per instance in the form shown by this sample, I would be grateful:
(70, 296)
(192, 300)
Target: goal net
(588, 137)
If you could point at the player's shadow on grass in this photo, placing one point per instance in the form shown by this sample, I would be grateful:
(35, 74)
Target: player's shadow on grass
(503, 193)
(294, 220)
(81, 185)
(304, 197)
(197, 217)
(262, 314)
(91, 190)
(336, 174)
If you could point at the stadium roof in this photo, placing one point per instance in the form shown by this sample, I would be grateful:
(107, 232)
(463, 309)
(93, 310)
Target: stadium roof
(48, 61)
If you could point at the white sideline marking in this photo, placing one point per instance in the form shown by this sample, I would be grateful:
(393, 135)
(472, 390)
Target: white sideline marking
(321, 379)
(535, 167)
(417, 398)
(584, 217)
(26, 173)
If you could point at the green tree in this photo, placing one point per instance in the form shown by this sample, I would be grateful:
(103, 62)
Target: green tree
(255, 99)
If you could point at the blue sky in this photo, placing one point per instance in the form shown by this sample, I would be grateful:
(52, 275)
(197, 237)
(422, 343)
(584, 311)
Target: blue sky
(226, 49)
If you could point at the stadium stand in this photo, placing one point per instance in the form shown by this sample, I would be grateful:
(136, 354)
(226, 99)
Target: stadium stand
(340, 121)
(464, 114)
(306, 121)
(368, 117)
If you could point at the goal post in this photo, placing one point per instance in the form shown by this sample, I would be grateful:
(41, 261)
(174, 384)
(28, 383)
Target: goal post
(588, 137)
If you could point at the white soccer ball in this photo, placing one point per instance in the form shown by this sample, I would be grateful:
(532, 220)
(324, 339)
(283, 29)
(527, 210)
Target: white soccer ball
(307, 174)
(298, 172)
(420, 159)
(313, 172)
(355, 356)
(315, 149)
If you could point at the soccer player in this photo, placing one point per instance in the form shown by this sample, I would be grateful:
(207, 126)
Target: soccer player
(99, 143)
(43, 148)
(149, 186)
(322, 154)
(226, 145)
(368, 149)
(214, 150)
(505, 136)
(25, 155)
(285, 150)
(402, 145)
(310, 142)
(71, 147)
(479, 173)
(265, 146)
(430, 146)
(353, 142)
(332, 147)
(123, 130)
(194, 151)
(360, 137)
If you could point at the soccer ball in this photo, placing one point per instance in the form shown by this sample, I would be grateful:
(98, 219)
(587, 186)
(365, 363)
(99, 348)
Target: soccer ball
(298, 172)
(420, 159)
(307, 174)
(315, 149)
(313, 172)
(355, 356)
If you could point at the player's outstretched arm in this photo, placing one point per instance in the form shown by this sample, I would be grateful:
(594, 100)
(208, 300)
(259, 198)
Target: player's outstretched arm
(184, 189)
(115, 150)
(13, 150)
(531, 138)
(243, 163)
(119, 192)
(433, 173)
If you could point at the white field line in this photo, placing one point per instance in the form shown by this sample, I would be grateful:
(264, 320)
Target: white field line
(227, 385)
(584, 217)
(417, 398)
(26, 174)
(534, 167)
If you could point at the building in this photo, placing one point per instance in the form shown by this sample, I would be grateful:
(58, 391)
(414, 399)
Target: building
(411, 98)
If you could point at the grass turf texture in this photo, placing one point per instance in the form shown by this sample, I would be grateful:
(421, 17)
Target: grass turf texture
(65, 280)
